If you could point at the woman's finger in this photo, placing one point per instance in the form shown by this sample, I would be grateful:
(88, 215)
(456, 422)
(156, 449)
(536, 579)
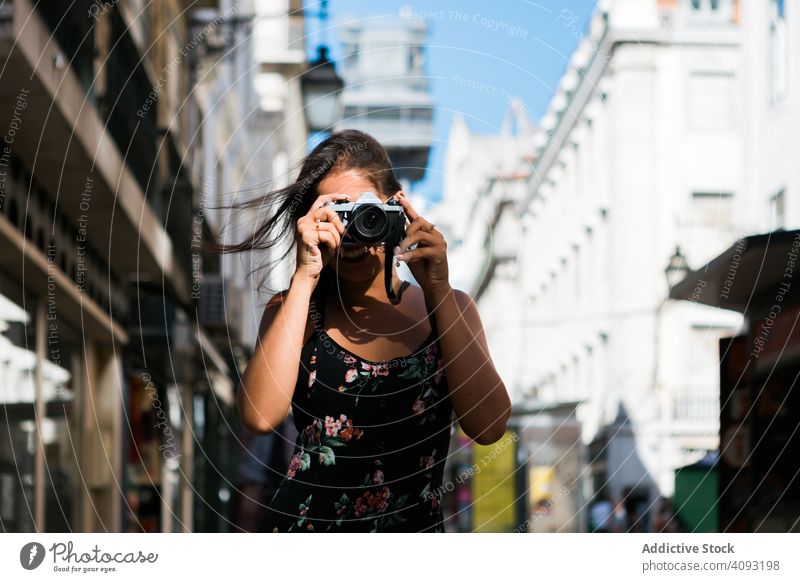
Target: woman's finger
(309, 229)
(420, 238)
(328, 237)
(409, 210)
(337, 237)
(418, 254)
(421, 225)
(322, 200)
(327, 228)
(328, 214)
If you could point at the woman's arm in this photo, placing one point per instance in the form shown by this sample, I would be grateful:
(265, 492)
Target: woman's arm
(479, 397)
(268, 383)
(477, 392)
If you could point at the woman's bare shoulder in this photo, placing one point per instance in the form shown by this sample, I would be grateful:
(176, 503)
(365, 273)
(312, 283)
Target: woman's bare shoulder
(271, 309)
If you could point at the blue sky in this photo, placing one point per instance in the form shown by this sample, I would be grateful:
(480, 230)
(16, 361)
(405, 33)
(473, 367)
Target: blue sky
(479, 55)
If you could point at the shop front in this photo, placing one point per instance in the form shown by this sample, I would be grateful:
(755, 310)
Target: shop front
(759, 456)
(182, 424)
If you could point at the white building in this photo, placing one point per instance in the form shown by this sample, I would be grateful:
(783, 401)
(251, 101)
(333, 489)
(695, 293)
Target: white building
(387, 92)
(474, 164)
(771, 89)
(640, 152)
(254, 136)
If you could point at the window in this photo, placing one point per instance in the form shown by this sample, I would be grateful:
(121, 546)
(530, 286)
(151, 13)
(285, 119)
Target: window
(710, 11)
(386, 112)
(777, 210)
(383, 59)
(351, 111)
(705, 5)
(712, 103)
(777, 70)
(712, 210)
(577, 264)
(421, 113)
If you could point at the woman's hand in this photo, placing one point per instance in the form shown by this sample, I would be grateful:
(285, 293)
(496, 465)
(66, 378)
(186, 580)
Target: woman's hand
(428, 261)
(320, 226)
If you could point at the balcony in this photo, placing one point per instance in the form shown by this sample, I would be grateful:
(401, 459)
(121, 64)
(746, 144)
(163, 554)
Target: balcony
(694, 418)
(72, 30)
(398, 126)
(127, 91)
(220, 307)
(65, 142)
(694, 407)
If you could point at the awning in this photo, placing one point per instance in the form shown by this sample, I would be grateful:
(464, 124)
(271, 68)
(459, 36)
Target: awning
(747, 274)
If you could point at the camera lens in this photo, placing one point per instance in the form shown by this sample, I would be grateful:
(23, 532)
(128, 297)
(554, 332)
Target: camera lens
(370, 224)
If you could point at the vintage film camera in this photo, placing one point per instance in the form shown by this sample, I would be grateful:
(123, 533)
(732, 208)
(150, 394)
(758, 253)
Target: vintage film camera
(370, 222)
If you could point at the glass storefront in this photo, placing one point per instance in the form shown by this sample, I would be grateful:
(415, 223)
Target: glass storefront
(54, 500)
(17, 390)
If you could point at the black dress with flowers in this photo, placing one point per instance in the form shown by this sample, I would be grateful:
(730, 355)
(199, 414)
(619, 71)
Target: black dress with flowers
(373, 439)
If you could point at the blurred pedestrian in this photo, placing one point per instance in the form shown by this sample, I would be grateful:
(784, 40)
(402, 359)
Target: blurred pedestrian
(601, 513)
(664, 520)
(619, 518)
(261, 466)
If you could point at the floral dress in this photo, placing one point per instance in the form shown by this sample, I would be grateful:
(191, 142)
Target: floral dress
(373, 440)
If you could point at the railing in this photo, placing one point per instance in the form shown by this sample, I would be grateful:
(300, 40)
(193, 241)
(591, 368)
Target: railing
(72, 28)
(220, 306)
(701, 13)
(695, 405)
(129, 92)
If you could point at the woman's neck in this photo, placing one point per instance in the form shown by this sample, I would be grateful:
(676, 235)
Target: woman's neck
(363, 293)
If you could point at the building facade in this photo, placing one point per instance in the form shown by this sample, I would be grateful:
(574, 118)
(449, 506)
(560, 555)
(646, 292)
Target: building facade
(771, 92)
(120, 340)
(387, 93)
(631, 164)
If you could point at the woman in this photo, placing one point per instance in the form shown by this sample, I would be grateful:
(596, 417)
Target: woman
(374, 386)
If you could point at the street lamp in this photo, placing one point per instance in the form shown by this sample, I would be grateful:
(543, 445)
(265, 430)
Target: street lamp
(322, 89)
(319, 83)
(676, 269)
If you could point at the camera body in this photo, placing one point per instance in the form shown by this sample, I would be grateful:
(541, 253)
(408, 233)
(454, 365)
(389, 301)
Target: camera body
(370, 222)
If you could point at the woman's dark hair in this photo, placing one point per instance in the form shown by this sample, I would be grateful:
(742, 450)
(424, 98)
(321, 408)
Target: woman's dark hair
(341, 151)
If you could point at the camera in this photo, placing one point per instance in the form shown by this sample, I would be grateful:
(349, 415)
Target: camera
(370, 222)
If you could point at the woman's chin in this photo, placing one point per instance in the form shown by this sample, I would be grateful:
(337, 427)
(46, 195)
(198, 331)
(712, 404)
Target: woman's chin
(357, 267)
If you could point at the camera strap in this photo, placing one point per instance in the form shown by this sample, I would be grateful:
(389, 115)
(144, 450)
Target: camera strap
(387, 279)
(388, 259)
